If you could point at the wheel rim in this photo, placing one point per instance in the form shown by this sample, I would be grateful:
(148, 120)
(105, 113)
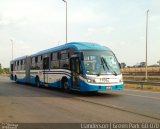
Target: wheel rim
(15, 78)
(66, 85)
(37, 82)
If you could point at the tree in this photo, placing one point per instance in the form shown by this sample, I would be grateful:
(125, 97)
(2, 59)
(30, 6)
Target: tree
(158, 62)
(1, 69)
(123, 65)
(6, 70)
(142, 64)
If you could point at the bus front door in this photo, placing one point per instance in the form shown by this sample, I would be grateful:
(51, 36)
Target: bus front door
(75, 71)
(45, 69)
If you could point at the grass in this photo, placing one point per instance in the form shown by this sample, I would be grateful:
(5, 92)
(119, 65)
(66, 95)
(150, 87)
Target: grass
(141, 78)
(145, 87)
(4, 75)
(155, 70)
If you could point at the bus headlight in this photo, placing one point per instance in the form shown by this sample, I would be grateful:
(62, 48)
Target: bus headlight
(89, 80)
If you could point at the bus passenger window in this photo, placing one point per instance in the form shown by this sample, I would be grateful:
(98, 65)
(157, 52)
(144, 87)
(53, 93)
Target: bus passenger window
(51, 56)
(65, 66)
(36, 59)
(11, 67)
(21, 62)
(55, 56)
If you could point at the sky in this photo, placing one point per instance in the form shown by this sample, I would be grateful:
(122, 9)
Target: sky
(35, 25)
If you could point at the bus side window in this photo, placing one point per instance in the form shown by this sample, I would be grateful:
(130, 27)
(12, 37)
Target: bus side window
(11, 67)
(21, 67)
(39, 62)
(18, 65)
(54, 60)
(46, 63)
(36, 59)
(15, 65)
(51, 56)
(64, 59)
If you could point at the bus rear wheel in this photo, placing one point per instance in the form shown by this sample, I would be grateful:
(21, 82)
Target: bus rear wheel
(37, 82)
(12, 78)
(15, 78)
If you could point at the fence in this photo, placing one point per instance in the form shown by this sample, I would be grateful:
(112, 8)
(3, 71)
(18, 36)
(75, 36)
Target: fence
(143, 83)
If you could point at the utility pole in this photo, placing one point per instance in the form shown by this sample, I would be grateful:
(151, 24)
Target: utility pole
(146, 44)
(66, 20)
(12, 48)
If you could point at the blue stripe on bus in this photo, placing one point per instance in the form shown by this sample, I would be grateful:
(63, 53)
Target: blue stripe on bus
(58, 73)
(21, 80)
(91, 87)
(83, 85)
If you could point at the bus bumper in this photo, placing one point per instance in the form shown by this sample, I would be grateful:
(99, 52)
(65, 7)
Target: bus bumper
(84, 87)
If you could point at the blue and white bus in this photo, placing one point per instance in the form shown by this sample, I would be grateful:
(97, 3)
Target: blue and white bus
(77, 66)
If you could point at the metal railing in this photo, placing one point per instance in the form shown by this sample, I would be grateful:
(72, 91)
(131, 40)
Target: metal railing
(143, 83)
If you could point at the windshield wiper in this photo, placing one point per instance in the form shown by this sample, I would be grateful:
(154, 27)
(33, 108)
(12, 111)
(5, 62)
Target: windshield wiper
(103, 64)
(108, 66)
(99, 70)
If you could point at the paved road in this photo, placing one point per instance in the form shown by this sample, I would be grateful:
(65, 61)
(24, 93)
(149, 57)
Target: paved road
(23, 103)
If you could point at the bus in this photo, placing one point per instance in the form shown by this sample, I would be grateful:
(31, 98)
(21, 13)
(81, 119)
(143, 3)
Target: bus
(79, 66)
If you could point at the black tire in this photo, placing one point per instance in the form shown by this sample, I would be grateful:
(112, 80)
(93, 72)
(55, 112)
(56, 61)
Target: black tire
(65, 85)
(12, 78)
(15, 78)
(37, 82)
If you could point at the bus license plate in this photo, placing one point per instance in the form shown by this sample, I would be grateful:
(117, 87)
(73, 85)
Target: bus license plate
(109, 87)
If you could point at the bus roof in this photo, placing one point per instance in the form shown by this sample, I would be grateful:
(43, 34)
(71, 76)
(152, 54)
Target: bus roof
(20, 58)
(79, 46)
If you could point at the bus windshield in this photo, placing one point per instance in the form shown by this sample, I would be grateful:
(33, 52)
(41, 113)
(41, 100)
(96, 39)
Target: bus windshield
(101, 63)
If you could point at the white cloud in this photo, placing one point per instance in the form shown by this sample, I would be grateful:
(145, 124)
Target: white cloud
(123, 43)
(37, 24)
(90, 31)
(22, 48)
(108, 29)
(4, 22)
(85, 16)
(155, 18)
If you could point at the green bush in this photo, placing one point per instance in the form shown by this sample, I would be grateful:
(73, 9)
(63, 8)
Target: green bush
(4, 70)
(1, 71)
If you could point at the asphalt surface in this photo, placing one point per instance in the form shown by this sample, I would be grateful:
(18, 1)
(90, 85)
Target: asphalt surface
(29, 104)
